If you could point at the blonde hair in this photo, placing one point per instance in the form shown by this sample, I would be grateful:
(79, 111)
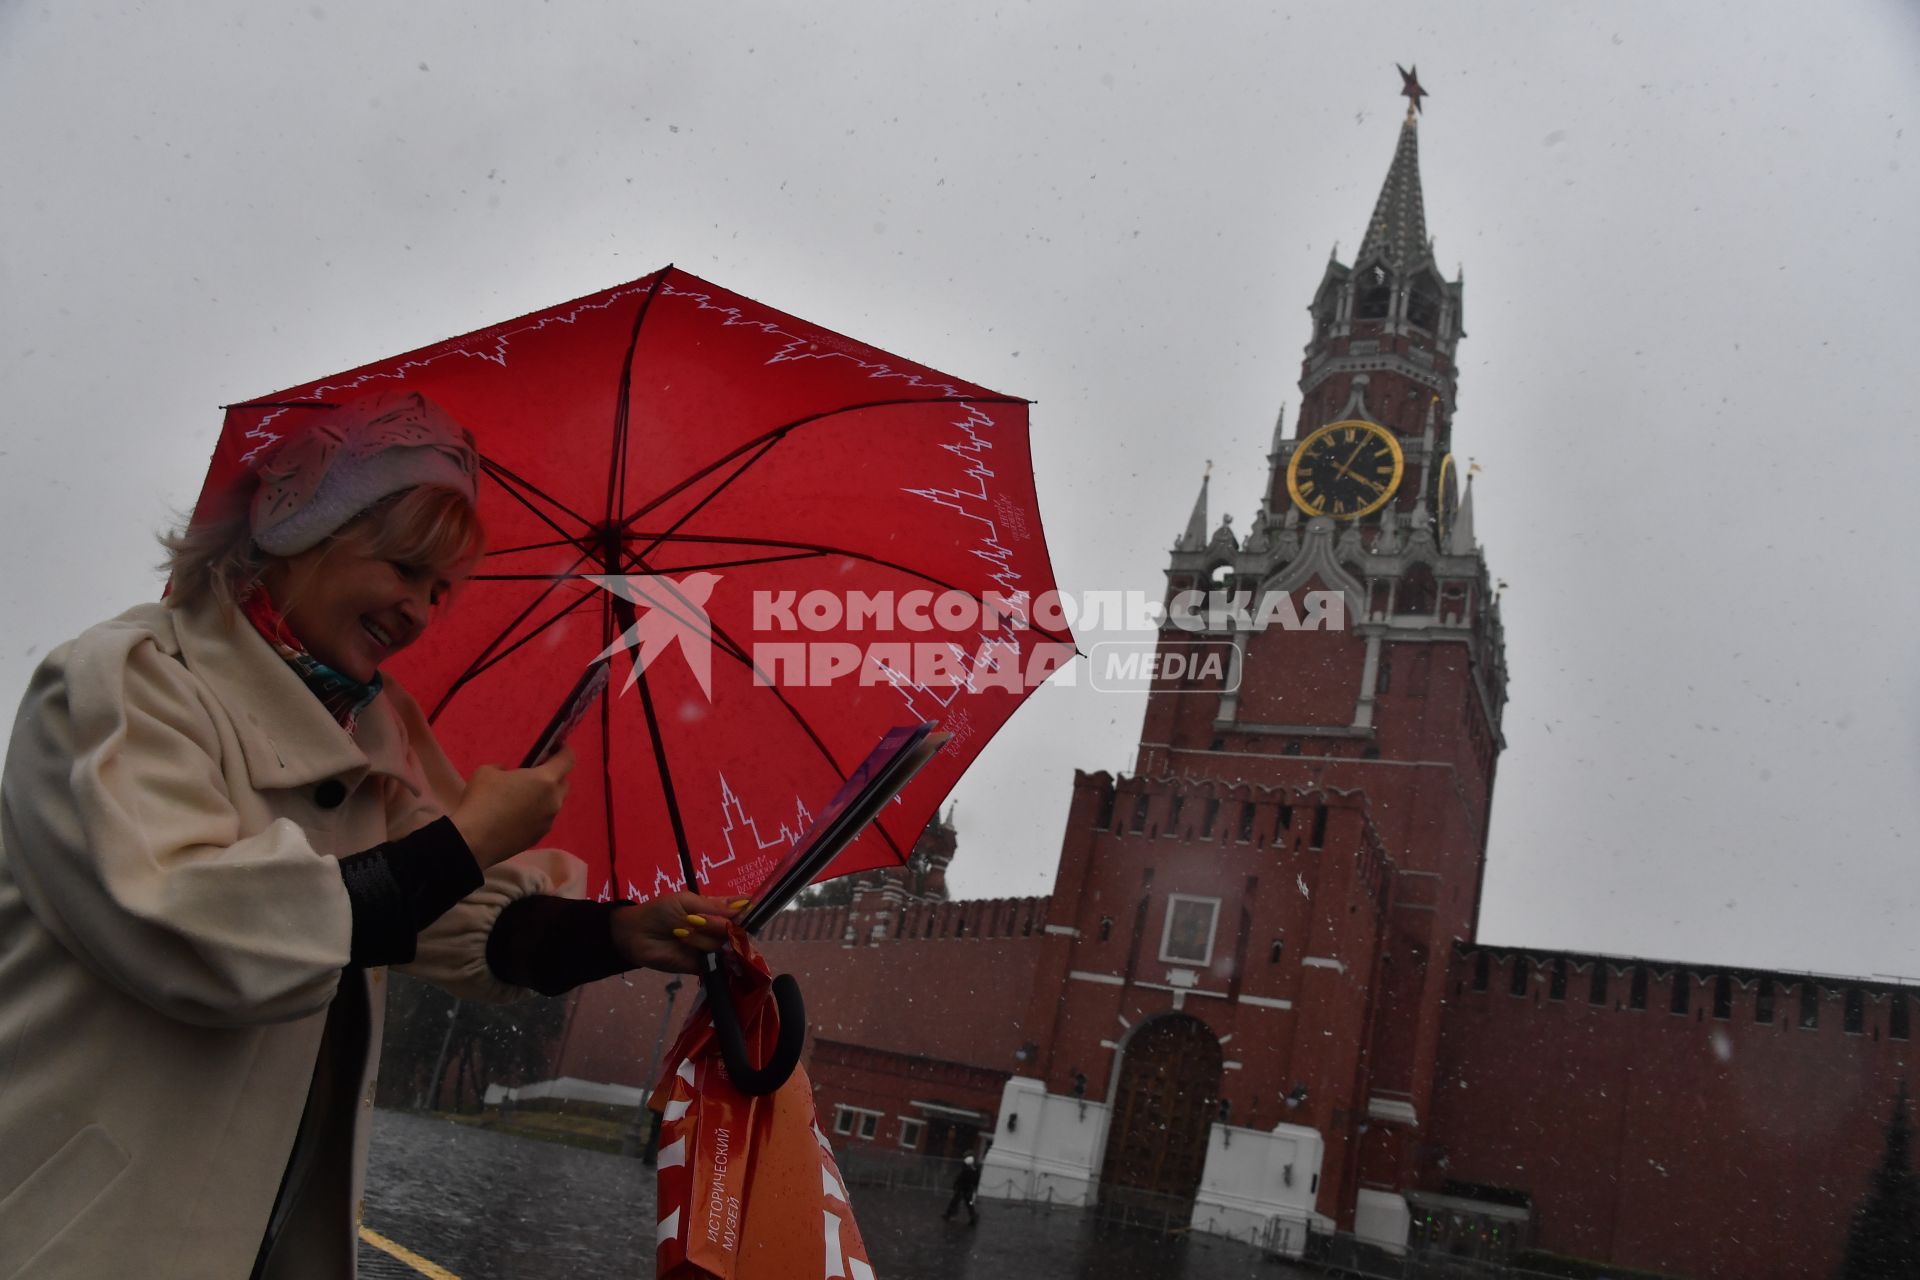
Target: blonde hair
(215, 558)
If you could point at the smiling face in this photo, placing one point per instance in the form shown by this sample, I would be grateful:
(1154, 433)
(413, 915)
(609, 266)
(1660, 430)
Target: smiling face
(354, 610)
(372, 589)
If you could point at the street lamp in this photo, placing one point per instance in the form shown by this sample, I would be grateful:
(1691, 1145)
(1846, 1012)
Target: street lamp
(431, 1089)
(636, 1141)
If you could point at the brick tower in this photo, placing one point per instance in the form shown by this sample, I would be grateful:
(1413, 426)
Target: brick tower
(1241, 1000)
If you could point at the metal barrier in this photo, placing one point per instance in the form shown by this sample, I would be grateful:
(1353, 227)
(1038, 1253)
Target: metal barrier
(1284, 1237)
(1129, 1207)
(1349, 1256)
(866, 1167)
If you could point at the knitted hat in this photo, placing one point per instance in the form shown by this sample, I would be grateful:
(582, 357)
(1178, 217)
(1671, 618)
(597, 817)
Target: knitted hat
(350, 457)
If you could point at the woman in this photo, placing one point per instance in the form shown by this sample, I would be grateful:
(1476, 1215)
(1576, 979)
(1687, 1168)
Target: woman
(218, 821)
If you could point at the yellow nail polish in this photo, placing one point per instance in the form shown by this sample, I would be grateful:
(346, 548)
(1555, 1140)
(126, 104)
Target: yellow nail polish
(683, 933)
(696, 919)
(739, 903)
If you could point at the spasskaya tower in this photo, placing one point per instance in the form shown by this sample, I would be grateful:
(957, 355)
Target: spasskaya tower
(1253, 929)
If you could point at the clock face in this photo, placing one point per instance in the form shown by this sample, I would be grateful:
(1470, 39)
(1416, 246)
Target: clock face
(1446, 500)
(1345, 470)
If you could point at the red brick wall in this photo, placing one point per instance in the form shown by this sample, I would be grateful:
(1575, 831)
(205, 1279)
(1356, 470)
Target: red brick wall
(959, 998)
(1677, 1143)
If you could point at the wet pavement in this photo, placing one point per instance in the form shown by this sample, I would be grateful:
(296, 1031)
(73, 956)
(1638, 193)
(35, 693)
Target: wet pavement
(491, 1206)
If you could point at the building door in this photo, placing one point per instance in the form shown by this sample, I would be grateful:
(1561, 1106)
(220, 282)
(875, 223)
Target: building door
(951, 1139)
(1162, 1110)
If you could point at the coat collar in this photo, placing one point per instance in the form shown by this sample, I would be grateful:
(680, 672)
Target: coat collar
(286, 736)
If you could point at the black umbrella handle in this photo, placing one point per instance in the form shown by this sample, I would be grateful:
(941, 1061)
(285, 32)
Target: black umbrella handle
(754, 1081)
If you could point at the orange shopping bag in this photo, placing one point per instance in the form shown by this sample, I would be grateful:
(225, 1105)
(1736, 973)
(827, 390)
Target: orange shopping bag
(748, 1188)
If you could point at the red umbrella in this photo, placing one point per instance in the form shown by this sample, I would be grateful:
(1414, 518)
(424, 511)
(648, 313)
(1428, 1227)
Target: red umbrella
(790, 541)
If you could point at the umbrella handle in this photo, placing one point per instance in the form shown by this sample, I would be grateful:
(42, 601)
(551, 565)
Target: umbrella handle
(748, 1079)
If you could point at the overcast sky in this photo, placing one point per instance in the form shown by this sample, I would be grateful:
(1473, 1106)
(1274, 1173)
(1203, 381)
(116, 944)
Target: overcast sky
(1689, 240)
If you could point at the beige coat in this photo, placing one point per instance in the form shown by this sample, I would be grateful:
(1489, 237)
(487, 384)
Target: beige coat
(172, 931)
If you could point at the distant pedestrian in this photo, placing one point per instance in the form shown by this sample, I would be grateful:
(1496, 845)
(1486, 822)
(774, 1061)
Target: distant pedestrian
(965, 1183)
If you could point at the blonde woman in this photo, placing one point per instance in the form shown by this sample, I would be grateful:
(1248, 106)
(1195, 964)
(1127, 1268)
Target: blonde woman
(218, 823)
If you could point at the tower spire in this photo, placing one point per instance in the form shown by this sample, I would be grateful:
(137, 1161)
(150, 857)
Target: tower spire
(1460, 532)
(1397, 233)
(1195, 538)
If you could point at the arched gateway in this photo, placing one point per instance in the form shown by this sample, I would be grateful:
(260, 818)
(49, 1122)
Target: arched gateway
(1163, 1106)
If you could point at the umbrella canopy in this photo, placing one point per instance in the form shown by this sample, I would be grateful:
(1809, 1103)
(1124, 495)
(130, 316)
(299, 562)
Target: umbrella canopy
(788, 541)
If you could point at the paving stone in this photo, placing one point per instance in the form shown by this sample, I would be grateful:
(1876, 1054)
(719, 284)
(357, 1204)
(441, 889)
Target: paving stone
(492, 1206)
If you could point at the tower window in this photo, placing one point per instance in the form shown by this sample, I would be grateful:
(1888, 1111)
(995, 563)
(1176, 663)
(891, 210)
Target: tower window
(1597, 984)
(1319, 837)
(1854, 1016)
(1278, 949)
(1897, 1026)
(1375, 295)
(1245, 833)
(1103, 818)
(1106, 928)
(1763, 1001)
(1173, 814)
(1481, 969)
(1557, 984)
(1416, 594)
(1423, 306)
(1637, 991)
(1139, 820)
(1522, 974)
(1211, 815)
(1723, 998)
(1682, 993)
(1286, 817)
(1809, 1006)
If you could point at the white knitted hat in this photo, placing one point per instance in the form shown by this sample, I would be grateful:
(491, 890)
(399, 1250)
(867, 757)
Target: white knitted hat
(351, 457)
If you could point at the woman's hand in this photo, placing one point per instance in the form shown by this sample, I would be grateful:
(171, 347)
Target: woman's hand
(673, 932)
(507, 811)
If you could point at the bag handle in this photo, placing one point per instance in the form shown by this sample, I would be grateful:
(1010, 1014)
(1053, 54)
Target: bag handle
(755, 1081)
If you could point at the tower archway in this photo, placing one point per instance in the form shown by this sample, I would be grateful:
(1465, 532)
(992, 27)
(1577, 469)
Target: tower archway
(1163, 1105)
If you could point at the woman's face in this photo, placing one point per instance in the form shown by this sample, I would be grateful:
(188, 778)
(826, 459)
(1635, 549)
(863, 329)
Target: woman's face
(352, 610)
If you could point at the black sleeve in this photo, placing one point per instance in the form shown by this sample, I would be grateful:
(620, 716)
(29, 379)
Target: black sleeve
(554, 944)
(399, 888)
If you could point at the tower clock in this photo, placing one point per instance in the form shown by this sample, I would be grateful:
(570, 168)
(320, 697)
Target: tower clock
(1346, 470)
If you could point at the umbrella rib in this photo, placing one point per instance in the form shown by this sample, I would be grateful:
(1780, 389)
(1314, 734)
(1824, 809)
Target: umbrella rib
(514, 577)
(281, 404)
(775, 434)
(615, 889)
(622, 409)
(461, 680)
(737, 564)
(531, 546)
(732, 648)
(821, 549)
(715, 492)
(497, 471)
(482, 667)
(624, 617)
(708, 633)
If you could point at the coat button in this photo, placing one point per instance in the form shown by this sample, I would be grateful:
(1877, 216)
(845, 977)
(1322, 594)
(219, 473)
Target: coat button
(330, 794)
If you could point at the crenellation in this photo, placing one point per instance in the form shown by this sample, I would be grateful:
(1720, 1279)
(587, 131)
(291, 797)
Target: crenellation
(1748, 994)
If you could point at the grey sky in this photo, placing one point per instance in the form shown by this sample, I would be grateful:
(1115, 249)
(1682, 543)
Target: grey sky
(1690, 261)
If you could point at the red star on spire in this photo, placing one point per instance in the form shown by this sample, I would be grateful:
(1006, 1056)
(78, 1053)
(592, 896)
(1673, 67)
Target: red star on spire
(1410, 87)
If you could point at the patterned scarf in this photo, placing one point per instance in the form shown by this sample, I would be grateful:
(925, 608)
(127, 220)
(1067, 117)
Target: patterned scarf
(343, 697)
